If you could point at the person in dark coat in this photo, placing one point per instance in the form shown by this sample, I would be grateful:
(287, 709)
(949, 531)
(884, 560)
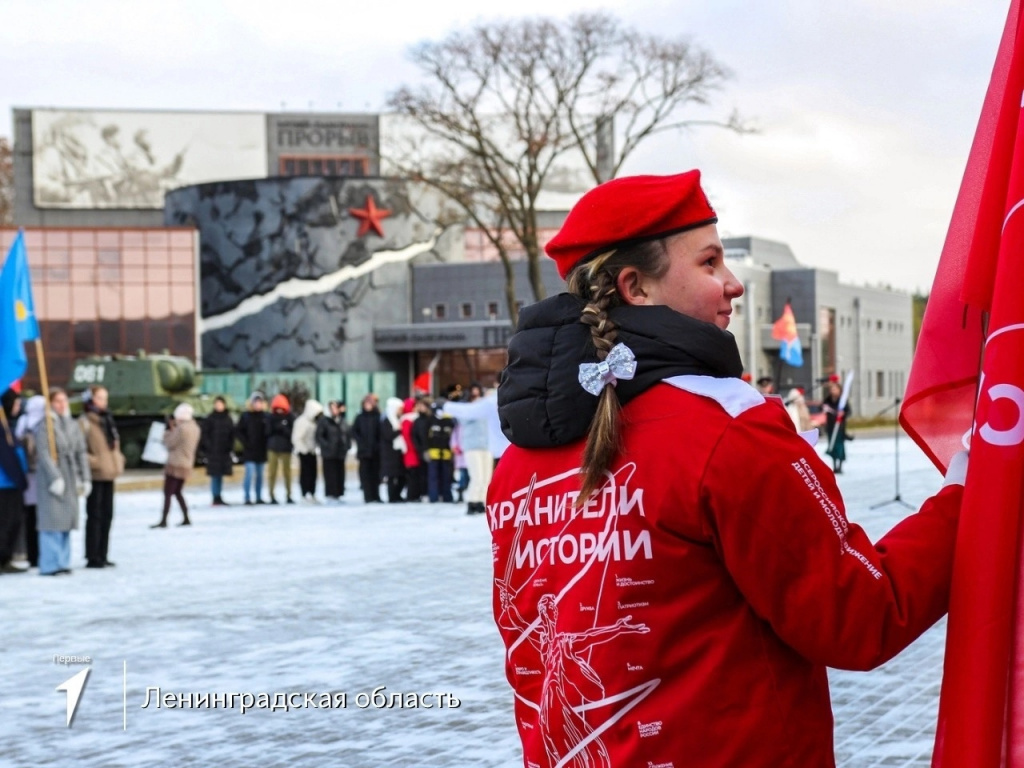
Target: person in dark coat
(440, 465)
(13, 481)
(279, 446)
(830, 405)
(333, 438)
(106, 464)
(420, 433)
(366, 433)
(218, 440)
(392, 448)
(252, 431)
(32, 414)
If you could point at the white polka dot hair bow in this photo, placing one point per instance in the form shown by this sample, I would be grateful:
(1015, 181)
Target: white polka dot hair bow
(620, 364)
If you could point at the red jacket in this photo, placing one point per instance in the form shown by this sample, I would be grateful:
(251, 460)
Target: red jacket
(411, 457)
(685, 616)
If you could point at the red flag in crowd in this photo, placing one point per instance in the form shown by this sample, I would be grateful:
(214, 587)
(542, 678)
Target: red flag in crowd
(422, 383)
(965, 378)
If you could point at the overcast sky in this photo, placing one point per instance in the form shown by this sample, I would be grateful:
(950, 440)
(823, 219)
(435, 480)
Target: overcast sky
(866, 108)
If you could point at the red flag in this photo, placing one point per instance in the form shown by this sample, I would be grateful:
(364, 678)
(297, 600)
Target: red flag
(422, 382)
(981, 270)
(942, 388)
(784, 329)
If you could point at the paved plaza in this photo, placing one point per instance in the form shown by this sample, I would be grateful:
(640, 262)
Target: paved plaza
(341, 599)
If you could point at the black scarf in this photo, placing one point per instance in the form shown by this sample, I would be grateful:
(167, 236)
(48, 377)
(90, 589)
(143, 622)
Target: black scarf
(540, 400)
(106, 422)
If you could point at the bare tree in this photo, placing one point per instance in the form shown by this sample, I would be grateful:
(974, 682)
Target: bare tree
(6, 183)
(507, 109)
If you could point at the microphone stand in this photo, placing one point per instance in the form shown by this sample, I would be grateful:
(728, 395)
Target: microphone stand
(896, 434)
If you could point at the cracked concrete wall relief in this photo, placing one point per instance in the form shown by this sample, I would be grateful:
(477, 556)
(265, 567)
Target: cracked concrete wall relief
(286, 282)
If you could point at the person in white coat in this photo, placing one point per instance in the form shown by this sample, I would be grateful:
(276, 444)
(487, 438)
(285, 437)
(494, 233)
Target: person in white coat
(304, 445)
(482, 441)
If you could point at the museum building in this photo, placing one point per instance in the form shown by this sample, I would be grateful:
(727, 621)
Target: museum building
(255, 242)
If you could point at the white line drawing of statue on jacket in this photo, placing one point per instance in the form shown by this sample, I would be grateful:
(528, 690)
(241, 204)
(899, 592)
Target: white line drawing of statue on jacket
(568, 739)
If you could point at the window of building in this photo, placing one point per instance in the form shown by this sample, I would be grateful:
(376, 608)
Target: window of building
(58, 264)
(492, 310)
(313, 165)
(878, 325)
(108, 263)
(738, 309)
(440, 311)
(880, 384)
(95, 293)
(465, 310)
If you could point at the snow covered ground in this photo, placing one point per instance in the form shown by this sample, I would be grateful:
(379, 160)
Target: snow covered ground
(324, 599)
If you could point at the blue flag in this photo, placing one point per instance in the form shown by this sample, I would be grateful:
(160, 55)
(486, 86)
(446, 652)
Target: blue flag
(791, 353)
(18, 322)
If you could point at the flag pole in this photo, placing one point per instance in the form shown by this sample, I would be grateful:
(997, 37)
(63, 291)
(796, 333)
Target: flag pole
(46, 395)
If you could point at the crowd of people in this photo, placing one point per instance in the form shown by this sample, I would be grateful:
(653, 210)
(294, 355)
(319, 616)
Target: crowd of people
(834, 417)
(423, 450)
(417, 450)
(48, 462)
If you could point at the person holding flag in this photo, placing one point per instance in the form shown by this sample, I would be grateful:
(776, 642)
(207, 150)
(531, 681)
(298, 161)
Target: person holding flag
(661, 525)
(18, 325)
(13, 481)
(837, 411)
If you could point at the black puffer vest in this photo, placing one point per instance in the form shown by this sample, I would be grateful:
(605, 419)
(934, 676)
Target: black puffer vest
(541, 402)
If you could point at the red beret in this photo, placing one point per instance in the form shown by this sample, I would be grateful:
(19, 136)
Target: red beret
(627, 211)
(833, 378)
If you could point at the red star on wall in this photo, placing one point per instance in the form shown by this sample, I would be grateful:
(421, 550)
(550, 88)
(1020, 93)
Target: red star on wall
(369, 217)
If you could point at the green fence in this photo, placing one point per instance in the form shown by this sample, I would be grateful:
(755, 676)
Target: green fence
(330, 385)
(324, 386)
(237, 386)
(382, 383)
(357, 386)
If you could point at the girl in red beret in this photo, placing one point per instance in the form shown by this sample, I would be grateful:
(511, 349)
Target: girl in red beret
(673, 566)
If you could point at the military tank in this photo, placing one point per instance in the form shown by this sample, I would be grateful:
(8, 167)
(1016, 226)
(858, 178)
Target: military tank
(142, 389)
